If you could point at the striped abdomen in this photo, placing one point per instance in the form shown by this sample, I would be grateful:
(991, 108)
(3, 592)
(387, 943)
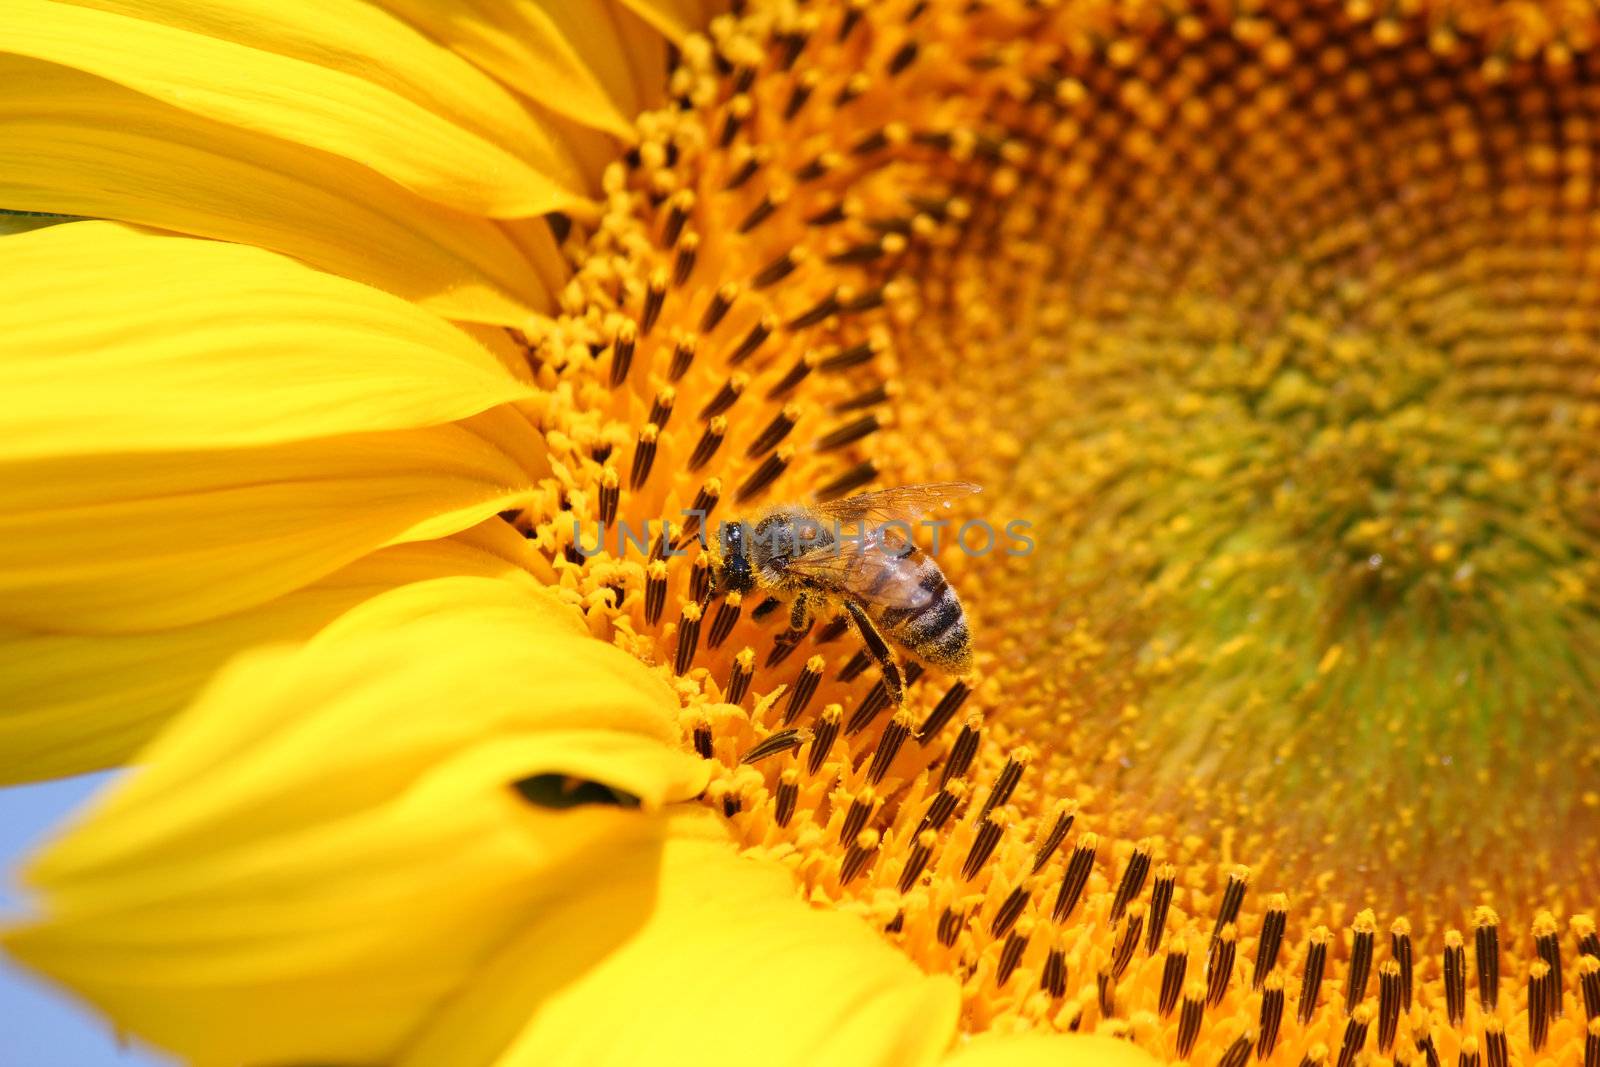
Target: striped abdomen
(934, 628)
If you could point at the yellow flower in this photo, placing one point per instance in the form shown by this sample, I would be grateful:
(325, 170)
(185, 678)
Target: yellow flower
(1274, 324)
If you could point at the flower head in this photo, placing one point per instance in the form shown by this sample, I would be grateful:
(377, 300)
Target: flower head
(1270, 325)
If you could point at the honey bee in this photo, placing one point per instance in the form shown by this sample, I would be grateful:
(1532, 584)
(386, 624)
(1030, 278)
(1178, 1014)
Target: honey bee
(890, 589)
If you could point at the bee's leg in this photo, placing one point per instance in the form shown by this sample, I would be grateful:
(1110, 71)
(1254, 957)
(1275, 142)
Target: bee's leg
(799, 612)
(880, 652)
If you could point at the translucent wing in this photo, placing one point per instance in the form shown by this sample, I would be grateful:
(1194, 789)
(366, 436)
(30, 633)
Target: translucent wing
(874, 568)
(904, 503)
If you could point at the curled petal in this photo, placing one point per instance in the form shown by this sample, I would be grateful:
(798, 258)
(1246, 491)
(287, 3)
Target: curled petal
(693, 953)
(332, 842)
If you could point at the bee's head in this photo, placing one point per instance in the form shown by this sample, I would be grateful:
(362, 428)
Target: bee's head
(735, 575)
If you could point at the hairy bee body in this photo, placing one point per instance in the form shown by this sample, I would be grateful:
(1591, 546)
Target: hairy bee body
(936, 629)
(888, 587)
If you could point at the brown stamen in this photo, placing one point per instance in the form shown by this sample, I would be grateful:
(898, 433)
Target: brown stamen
(1455, 978)
(1355, 1035)
(644, 456)
(1271, 1017)
(661, 407)
(1496, 1054)
(962, 751)
(622, 352)
(827, 731)
(1311, 979)
(773, 744)
(1172, 975)
(1238, 1053)
(983, 846)
(848, 434)
(654, 297)
(1189, 1019)
(655, 591)
(804, 686)
(1400, 947)
(917, 860)
(858, 855)
(1008, 913)
(753, 340)
(1388, 1004)
(682, 268)
(739, 675)
(774, 432)
(1160, 904)
(723, 621)
(1486, 938)
(1004, 785)
(787, 797)
(763, 476)
(857, 814)
(1053, 979)
(1361, 942)
(610, 494)
(1273, 925)
(1053, 839)
(1076, 877)
(718, 308)
(1128, 943)
(726, 397)
(1133, 876)
(710, 440)
(1220, 969)
(894, 735)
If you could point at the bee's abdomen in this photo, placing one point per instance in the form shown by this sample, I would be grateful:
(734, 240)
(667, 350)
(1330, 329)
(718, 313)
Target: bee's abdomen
(936, 629)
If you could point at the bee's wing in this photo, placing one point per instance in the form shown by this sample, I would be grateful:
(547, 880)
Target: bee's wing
(904, 503)
(873, 568)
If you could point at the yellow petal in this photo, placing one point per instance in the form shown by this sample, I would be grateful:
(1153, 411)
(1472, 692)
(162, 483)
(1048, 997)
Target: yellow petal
(327, 846)
(390, 687)
(1047, 1050)
(592, 150)
(124, 543)
(326, 946)
(74, 143)
(693, 954)
(73, 703)
(677, 18)
(337, 75)
(168, 449)
(646, 51)
(119, 340)
(568, 57)
(534, 239)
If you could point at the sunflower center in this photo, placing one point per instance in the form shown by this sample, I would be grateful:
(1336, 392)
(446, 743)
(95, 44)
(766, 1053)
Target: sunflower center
(1277, 326)
(1298, 320)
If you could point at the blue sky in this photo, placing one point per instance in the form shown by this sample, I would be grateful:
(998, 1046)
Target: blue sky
(43, 1028)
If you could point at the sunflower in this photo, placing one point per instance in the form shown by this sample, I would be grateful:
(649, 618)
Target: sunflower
(450, 331)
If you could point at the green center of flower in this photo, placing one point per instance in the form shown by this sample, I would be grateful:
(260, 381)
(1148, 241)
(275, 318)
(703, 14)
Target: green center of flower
(1306, 432)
